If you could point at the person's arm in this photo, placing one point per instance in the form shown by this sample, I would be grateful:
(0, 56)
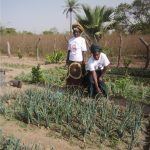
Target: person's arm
(84, 50)
(103, 72)
(67, 60)
(94, 75)
(84, 57)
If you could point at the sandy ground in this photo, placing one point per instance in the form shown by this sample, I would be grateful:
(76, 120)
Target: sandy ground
(31, 135)
(28, 134)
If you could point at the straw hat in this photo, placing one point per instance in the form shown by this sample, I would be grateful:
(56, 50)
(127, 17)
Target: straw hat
(77, 26)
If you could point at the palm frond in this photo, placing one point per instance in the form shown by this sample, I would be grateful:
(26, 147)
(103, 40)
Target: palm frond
(94, 19)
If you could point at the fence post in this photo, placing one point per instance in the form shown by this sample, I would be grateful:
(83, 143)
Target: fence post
(8, 49)
(120, 49)
(37, 50)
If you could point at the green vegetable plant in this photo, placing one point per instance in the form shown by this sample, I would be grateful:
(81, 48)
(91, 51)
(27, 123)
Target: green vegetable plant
(56, 57)
(36, 74)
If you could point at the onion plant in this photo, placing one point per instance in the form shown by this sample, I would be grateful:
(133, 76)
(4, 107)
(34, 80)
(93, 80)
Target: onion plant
(76, 116)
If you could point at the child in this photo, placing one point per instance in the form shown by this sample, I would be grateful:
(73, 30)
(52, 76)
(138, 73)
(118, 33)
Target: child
(96, 67)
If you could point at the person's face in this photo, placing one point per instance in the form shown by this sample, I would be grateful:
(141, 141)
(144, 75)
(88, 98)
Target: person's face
(76, 33)
(96, 55)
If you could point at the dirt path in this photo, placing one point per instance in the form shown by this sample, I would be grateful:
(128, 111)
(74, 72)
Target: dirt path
(14, 66)
(31, 135)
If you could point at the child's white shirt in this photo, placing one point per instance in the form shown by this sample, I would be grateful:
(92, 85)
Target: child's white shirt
(97, 64)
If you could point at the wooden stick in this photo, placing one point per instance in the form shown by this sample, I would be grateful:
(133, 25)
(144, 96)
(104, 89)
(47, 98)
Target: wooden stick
(147, 52)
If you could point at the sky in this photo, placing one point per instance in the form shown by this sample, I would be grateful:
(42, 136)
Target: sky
(37, 16)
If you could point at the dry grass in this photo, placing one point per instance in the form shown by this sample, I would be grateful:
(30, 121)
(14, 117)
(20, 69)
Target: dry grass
(131, 44)
(27, 44)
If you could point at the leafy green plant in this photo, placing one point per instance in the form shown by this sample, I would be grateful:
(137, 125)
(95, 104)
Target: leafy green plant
(54, 76)
(36, 74)
(77, 116)
(12, 143)
(24, 77)
(136, 72)
(107, 50)
(127, 62)
(19, 53)
(55, 57)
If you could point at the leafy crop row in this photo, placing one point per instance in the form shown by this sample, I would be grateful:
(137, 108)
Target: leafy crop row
(77, 116)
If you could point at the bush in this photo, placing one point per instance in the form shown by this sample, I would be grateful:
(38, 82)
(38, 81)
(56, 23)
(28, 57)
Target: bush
(36, 74)
(55, 57)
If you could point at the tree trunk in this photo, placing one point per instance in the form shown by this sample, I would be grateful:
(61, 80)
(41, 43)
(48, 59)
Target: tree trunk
(70, 22)
(147, 52)
(8, 49)
(120, 49)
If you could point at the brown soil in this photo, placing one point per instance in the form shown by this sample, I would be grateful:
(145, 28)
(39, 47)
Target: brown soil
(30, 134)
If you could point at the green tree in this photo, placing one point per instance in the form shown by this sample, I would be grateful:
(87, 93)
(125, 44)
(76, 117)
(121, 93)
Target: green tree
(51, 31)
(94, 19)
(134, 17)
(141, 13)
(121, 16)
(4, 30)
(27, 33)
(72, 6)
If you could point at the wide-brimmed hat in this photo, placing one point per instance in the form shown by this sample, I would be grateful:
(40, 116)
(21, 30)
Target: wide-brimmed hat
(77, 26)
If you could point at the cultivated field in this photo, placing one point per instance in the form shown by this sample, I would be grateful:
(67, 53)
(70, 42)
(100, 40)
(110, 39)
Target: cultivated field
(45, 114)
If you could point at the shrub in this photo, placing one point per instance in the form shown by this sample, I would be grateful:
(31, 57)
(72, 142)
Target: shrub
(55, 57)
(36, 74)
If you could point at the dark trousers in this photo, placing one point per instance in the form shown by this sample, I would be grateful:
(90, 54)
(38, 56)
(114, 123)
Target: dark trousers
(91, 84)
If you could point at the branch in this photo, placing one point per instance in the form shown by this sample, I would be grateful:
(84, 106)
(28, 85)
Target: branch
(144, 42)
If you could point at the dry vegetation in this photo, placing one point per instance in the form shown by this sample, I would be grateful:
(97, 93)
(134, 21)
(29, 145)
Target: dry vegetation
(131, 44)
(48, 43)
(27, 45)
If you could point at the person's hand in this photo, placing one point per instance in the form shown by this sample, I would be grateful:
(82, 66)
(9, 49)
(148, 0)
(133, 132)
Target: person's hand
(100, 78)
(98, 90)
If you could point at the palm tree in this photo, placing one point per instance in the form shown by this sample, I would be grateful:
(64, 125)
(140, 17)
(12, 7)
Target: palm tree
(94, 19)
(72, 6)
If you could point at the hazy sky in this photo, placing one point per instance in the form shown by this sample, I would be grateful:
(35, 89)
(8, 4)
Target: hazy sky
(40, 15)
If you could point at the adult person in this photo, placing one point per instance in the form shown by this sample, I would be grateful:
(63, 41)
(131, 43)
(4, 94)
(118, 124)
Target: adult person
(76, 55)
(96, 67)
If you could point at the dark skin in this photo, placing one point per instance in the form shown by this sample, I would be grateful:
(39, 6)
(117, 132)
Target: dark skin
(76, 33)
(96, 56)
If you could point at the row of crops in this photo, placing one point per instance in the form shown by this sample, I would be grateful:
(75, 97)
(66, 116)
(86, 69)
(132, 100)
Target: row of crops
(130, 88)
(68, 111)
(90, 120)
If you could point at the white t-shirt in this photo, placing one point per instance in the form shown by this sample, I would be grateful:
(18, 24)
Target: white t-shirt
(76, 45)
(97, 64)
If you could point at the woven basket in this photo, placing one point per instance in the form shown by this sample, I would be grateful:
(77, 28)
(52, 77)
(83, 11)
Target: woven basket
(75, 70)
